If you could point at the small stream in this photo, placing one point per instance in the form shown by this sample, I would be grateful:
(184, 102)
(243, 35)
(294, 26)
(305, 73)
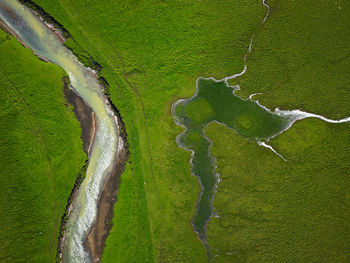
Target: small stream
(37, 36)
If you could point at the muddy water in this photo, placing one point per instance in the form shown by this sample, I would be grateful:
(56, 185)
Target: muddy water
(45, 43)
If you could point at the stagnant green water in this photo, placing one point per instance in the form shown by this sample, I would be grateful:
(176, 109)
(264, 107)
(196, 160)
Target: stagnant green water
(45, 43)
(215, 100)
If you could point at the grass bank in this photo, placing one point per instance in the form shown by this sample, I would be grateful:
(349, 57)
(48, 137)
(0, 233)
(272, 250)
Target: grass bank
(41, 154)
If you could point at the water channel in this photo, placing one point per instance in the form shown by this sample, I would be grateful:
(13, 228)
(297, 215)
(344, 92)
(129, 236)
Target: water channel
(39, 38)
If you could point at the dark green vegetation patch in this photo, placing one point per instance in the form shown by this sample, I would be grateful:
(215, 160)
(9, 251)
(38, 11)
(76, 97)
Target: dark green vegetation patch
(215, 101)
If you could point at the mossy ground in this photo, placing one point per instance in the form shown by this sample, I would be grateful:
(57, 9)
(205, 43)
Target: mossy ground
(41, 154)
(300, 58)
(276, 211)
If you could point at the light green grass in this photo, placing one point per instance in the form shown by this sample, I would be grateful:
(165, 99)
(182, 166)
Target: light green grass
(276, 211)
(300, 58)
(199, 111)
(41, 154)
(132, 232)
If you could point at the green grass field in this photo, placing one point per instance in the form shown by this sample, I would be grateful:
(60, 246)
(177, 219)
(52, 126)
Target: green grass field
(41, 154)
(300, 58)
(152, 53)
(276, 211)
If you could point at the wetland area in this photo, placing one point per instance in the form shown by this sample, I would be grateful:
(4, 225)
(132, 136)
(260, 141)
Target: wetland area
(174, 131)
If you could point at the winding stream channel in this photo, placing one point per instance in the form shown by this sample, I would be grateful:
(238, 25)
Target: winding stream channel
(32, 32)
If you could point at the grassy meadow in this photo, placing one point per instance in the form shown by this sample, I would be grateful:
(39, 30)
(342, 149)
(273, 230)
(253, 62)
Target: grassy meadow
(276, 211)
(152, 52)
(41, 154)
(300, 58)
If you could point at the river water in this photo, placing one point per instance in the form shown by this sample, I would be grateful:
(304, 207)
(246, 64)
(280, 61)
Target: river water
(35, 34)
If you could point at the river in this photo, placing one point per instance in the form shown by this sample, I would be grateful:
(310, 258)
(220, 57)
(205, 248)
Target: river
(39, 38)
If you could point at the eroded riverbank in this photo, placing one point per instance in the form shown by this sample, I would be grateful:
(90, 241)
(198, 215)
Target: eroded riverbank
(99, 231)
(100, 128)
(84, 115)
